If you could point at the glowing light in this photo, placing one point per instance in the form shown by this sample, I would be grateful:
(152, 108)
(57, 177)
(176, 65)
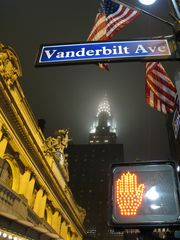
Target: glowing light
(4, 235)
(147, 2)
(113, 128)
(10, 236)
(154, 207)
(128, 194)
(104, 107)
(93, 130)
(152, 194)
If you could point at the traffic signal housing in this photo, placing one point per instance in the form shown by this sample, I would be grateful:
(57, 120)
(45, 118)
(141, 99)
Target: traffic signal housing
(144, 194)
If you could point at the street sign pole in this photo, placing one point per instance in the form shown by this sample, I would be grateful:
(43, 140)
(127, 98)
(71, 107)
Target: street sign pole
(176, 8)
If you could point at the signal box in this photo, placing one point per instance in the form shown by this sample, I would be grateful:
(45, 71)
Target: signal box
(145, 194)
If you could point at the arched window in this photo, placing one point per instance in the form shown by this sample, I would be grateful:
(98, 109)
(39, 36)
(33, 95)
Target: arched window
(5, 172)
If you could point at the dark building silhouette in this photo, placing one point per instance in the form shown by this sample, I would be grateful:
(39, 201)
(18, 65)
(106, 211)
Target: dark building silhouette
(89, 167)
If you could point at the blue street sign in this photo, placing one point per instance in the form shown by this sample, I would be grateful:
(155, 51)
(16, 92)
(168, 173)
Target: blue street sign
(103, 51)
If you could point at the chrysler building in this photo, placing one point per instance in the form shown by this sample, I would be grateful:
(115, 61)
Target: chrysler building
(103, 130)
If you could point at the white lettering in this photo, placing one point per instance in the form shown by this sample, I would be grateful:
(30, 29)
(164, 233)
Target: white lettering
(114, 50)
(90, 53)
(152, 49)
(126, 50)
(70, 54)
(106, 51)
(120, 50)
(162, 48)
(60, 55)
(98, 51)
(49, 54)
(140, 48)
(81, 53)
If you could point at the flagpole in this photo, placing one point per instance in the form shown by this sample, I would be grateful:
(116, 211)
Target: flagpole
(147, 13)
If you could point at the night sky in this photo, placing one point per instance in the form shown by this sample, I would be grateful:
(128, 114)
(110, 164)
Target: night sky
(68, 96)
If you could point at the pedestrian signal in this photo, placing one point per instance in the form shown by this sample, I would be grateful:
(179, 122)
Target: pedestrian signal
(145, 194)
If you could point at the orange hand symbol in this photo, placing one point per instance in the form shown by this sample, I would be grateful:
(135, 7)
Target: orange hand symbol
(129, 194)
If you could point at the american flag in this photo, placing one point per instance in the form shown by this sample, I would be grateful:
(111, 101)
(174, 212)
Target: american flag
(112, 17)
(160, 91)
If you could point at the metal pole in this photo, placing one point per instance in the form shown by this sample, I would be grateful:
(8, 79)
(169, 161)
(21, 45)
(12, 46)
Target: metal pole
(176, 8)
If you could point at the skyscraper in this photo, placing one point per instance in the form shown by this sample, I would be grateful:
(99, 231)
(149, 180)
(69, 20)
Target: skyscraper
(89, 167)
(103, 129)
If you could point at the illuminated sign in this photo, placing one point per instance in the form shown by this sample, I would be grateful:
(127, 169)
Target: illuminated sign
(103, 51)
(144, 194)
(128, 194)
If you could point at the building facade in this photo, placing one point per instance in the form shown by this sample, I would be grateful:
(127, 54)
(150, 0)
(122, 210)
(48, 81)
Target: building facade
(35, 199)
(90, 170)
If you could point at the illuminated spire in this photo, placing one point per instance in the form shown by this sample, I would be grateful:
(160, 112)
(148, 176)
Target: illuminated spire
(103, 130)
(104, 106)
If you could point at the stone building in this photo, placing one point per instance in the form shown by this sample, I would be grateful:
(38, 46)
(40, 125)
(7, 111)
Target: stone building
(35, 200)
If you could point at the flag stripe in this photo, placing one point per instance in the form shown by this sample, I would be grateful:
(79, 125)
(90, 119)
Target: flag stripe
(123, 17)
(164, 81)
(111, 18)
(160, 91)
(99, 30)
(160, 94)
(154, 102)
(161, 88)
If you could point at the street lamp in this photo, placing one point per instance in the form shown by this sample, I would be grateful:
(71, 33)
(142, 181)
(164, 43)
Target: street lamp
(175, 14)
(174, 3)
(147, 2)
